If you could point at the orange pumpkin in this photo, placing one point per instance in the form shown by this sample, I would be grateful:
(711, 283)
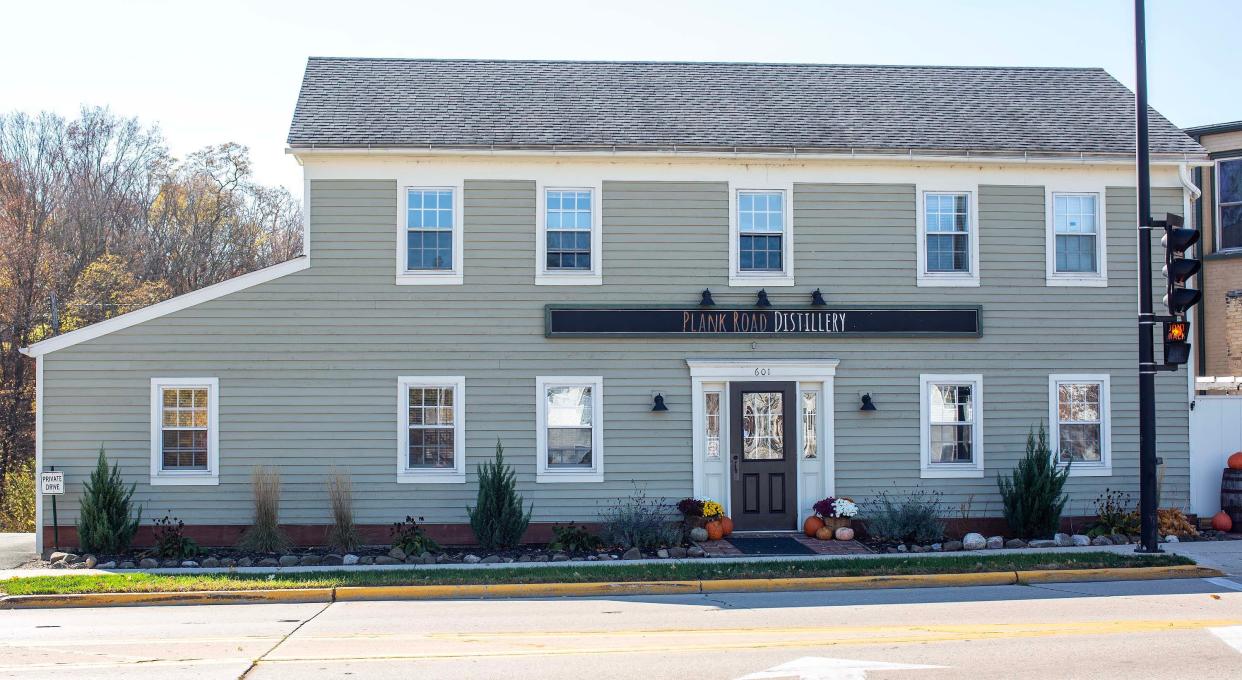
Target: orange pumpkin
(1235, 461)
(812, 525)
(844, 534)
(1222, 521)
(726, 523)
(824, 534)
(715, 530)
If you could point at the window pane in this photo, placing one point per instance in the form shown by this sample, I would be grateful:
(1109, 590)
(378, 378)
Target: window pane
(951, 443)
(1230, 181)
(1078, 402)
(763, 425)
(948, 253)
(951, 404)
(569, 447)
(431, 447)
(711, 406)
(1080, 443)
(947, 212)
(760, 253)
(1231, 226)
(1075, 253)
(569, 406)
(761, 211)
(809, 424)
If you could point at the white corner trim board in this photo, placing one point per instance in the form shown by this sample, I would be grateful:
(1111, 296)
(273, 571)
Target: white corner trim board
(167, 307)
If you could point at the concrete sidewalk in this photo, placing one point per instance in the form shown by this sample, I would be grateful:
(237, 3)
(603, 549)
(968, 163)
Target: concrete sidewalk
(16, 550)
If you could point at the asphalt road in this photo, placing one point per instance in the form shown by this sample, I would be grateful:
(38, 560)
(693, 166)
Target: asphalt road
(1161, 629)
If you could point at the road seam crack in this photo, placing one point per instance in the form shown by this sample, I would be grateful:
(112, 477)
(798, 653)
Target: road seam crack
(254, 664)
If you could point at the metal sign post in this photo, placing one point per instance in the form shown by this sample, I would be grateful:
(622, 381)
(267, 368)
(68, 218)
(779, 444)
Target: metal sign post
(53, 484)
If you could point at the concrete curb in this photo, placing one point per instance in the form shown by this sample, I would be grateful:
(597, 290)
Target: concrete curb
(601, 589)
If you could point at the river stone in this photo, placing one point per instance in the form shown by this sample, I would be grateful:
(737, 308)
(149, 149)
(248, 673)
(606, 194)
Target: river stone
(59, 564)
(90, 561)
(245, 562)
(1042, 543)
(267, 562)
(397, 554)
(560, 557)
(541, 557)
(170, 564)
(1119, 539)
(471, 559)
(1063, 540)
(332, 560)
(57, 556)
(366, 560)
(311, 561)
(385, 559)
(210, 563)
(110, 564)
(349, 559)
(662, 553)
(189, 564)
(490, 559)
(952, 546)
(1015, 543)
(973, 541)
(148, 563)
(1101, 540)
(696, 551)
(1172, 539)
(677, 553)
(127, 565)
(632, 554)
(287, 561)
(228, 562)
(77, 565)
(1080, 540)
(996, 542)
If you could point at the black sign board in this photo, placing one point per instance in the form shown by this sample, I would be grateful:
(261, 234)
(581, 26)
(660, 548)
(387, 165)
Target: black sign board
(587, 321)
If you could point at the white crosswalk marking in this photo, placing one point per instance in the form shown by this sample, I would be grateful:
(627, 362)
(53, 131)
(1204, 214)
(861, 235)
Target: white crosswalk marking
(1230, 635)
(822, 668)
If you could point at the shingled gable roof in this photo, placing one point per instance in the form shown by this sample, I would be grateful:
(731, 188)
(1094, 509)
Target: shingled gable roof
(667, 106)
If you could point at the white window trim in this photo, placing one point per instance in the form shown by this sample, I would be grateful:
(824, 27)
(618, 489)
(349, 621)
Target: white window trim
(594, 277)
(208, 477)
(415, 277)
(1104, 468)
(1053, 278)
(926, 279)
(409, 475)
(546, 474)
(929, 470)
(762, 279)
(1217, 237)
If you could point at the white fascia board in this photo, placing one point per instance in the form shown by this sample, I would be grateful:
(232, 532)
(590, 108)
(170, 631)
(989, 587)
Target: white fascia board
(167, 307)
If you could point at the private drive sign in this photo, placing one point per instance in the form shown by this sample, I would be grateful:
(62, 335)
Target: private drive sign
(820, 322)
(52, 483)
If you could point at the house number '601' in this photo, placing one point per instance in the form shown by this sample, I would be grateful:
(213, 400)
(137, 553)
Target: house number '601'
(763, 371)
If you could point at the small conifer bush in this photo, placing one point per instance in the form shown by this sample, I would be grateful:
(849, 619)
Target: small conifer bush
(106, 519)
(1032, 494)
(497, 518)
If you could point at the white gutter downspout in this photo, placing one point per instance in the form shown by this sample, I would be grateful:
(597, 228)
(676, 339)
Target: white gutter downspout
(1191, 194)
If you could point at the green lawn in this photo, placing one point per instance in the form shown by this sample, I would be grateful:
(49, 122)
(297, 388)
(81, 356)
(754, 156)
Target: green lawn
(697, 570)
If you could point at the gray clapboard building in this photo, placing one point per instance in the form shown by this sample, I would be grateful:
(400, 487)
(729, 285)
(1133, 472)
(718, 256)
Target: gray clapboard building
(909, 268)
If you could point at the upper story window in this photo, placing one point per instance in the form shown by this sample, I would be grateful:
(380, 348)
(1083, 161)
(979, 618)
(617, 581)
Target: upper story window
(569, 436)
(948, 248)
(761, 247)
(951, 416)
(1229, 204)
(1079, 418)
(1076, 254)
(431, 422)
(184, 441)
(569, 237)
(430, 250)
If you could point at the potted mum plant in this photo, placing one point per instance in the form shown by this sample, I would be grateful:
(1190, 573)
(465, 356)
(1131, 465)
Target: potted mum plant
(837, 513)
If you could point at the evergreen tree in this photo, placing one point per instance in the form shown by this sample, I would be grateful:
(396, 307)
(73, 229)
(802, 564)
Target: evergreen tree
(1032, 495)
(104, 521)
(497, 518)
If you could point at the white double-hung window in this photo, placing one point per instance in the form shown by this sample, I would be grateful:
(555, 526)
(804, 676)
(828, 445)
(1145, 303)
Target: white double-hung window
(948, 243)
(1079, 417)
(951, 425)
(431, 417)
(569, 428)
(570, 240)
(429, 249)
(184, 431)
(761, 239)
(1076, 239)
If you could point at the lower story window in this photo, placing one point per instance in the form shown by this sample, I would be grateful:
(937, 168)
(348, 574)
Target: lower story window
(1079, 415)
(431, 447)
(951, 425)
(570, 438)
(183, 431)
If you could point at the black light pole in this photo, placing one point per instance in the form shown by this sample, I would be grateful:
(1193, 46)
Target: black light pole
(1146, 320)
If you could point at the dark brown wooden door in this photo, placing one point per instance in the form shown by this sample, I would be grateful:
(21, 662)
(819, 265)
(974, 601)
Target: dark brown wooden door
(763, 461)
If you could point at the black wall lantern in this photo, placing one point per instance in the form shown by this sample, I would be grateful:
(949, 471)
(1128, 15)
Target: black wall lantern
(707, 300)
(817, 299)
(867, 405)
(658, 404)
(763, 301)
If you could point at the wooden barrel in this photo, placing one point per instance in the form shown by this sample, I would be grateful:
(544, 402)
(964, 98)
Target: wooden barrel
(1231, 494)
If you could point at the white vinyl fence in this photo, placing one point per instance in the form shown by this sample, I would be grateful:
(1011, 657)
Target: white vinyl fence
(1215, 432)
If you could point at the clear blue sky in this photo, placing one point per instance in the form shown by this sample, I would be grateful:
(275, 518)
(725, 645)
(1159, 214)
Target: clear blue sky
(226, 70)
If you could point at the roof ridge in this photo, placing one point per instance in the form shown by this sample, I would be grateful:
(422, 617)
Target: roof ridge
(675, 62)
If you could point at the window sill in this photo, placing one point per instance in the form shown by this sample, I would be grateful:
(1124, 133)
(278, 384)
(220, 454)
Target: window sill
(450, 477)
(951, 473)
(1079, 281)
(1089, 471)
(1224, 254)
(947, 281)
(185, 480)
(567, 279)
(568, 477)
(411, 279)
(761, 280)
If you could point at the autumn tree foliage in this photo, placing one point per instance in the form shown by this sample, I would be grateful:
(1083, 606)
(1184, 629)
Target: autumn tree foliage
(97, 218)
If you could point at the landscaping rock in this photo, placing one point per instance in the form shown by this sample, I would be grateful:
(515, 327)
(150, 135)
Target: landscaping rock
(397, 554)
(311, 561)
(1042, 543)
(662, 553)
(1015, 543)
(385, 559)
(973, 541)
(996, 542)
(71, 558)
(127, 565)
(245, 562)
(413, 559)
(189, 564)
(332, 560)
(592, 558)
(936, 547)
(59, 564)
(210, 563)
(632, 554)
(677, 553)
(228, 562)
(490, 559)
(696, 551)
(524, 557)
(1063, 540)
(57, 556)
(267, 562)
(560, 557)
(471, 559)
(148, 563)
(698, 534)
(77, 565)
(287, 561)
(1080, 540)
(1172, 539)
(951, 546)
(919, 549)
(106, 565)
(349, 560)
(1119, 539)
(170, 564)
(902, 548)
(1101, 540)
(366, 560)
(90, 562)
(541, 557)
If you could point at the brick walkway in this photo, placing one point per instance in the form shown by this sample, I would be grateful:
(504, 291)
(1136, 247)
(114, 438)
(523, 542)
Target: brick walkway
(723, 548)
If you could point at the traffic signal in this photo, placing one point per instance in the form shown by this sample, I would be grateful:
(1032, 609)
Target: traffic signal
(1176, 342)
(1177, 267)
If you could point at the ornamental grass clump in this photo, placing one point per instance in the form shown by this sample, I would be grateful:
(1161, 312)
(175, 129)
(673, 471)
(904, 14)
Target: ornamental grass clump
(913, 518)
(644, 523)
(265, 535)
(1032, 495)
(497, 518)
(106, 523)
(342, 533)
